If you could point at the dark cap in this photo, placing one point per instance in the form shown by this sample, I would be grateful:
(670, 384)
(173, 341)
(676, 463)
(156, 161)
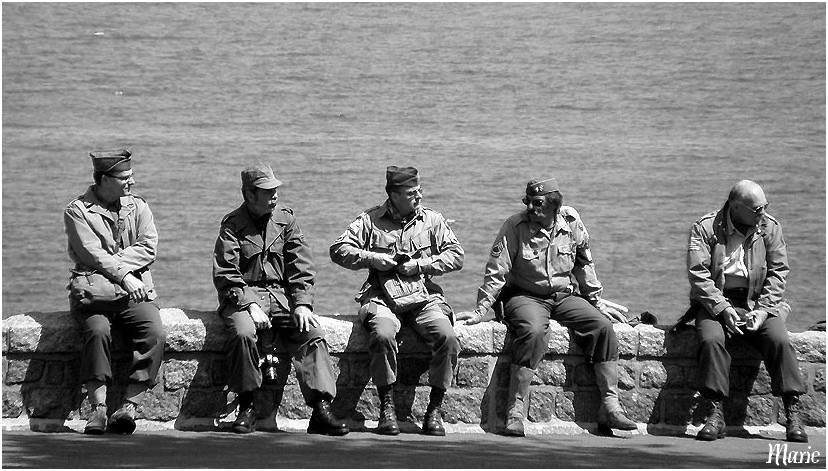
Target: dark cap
(111, 161)
(259, 176)
(401, 177)
(541, 187)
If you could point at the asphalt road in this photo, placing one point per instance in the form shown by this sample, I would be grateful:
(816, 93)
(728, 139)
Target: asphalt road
(177, 449)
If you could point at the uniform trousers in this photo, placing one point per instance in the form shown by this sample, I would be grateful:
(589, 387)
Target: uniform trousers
(528, 317)
(308, 350)
(430, 322)
(771, 340)
(140, 325)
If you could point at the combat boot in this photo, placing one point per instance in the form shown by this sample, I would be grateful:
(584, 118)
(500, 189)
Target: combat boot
(610, 414)
(96, 425)
(519, 381)
(323, 422)
(123, 419)
(433, 420)
(387, 424)
(794, 430)
(714, 428)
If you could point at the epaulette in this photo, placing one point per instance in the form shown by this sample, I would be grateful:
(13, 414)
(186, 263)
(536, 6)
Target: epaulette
(707, 216)
(139, 197)
(286, 209)
(768, 216)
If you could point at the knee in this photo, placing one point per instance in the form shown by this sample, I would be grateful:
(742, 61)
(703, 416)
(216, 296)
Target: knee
(448, 342)
(383, 336)
(156, 332)
(244, 333)
(712, 341)
(98, 331)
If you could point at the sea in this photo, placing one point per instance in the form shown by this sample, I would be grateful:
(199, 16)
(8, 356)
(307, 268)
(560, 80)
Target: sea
(646, 113)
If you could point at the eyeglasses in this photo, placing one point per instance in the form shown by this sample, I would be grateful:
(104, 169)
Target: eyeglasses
(757, 210)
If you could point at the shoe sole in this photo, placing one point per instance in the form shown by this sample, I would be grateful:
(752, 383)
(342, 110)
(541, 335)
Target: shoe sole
(94, 431)
(330, 433)
(244, 429)
(387, 432)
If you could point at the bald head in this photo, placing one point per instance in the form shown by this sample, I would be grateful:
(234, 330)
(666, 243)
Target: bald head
(747, 203)
(748, 193)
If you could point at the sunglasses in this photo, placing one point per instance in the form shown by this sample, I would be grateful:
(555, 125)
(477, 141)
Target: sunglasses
(758, 209)
(535, 203)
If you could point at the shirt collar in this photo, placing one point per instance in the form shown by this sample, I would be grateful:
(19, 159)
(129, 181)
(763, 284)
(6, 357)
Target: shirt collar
(390, 211)
(560, 224)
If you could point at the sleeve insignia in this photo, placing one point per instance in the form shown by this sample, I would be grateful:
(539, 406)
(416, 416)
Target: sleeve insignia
(497, 248)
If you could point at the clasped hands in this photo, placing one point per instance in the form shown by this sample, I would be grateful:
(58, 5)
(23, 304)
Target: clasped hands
(305, 318)
(386, 262)
(750, 321)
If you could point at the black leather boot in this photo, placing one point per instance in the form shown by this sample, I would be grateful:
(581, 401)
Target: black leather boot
(794, 430)
(323, 422)
(388, 415)
(714, 428)
(433, 420)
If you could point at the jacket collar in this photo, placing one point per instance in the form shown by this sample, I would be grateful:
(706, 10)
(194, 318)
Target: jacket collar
(94, 205)
(561, 224)
(247, 226)
(725, 226)
(388, 210)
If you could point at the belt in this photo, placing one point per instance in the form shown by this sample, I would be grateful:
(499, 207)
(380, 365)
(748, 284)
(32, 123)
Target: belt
(737, 296)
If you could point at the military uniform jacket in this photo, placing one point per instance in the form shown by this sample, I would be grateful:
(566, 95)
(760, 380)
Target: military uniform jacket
(243, 260)
(527, 258)
(100, 243)
(766, 259)
(426, 238)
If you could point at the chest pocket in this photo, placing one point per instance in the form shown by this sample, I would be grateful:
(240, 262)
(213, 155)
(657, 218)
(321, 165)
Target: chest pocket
(423, 244)
(563, 258)
(382, 241)
(249, 249)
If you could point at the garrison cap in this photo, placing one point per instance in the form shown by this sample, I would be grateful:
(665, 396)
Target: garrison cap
(401, 177)
(111, 161)
(259, 176)
(541, 187)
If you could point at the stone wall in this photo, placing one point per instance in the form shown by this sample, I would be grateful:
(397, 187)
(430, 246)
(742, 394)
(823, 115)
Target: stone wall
(657, 371)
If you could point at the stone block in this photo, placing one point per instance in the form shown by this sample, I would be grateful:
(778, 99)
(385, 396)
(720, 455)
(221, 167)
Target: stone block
(218, 372)
(676, 376)
(812, 409)
(49, 403)
(344, 334)
(559, 341)
(159, 404)
(475, 339)
(541, 404)
(24, 371)
(682, 344)
(679, 408)
(12, 402)
(564, 407)
(653, 374)
(292, 405)
(55, 372)
(463, 406)
(650, 341)
(498, 337)
(809, 346)
(188, 332)
(627, 339)
(200, 402)
(640, 405)
(759, 410)
(54, 332)
(758, 381)
(626, 375)
(584, 374)
(179, 373)
(360, 370)
(819, 378)
(473, 372)
(552, 373)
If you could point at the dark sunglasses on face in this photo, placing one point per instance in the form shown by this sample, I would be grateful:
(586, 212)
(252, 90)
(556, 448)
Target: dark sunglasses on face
(757, 209)
(535, 203)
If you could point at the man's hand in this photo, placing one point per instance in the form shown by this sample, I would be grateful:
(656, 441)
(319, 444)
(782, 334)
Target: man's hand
(614, 312)
(383, 261)
(755, 319)
(136, 288)
(731, 317)
(408, 268)
(305, 318)
(469, 317)
(260, 318)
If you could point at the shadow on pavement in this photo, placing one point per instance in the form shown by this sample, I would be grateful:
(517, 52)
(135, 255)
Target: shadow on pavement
(175, 449)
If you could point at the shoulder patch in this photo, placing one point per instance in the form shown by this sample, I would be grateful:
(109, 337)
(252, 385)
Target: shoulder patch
(497, 248)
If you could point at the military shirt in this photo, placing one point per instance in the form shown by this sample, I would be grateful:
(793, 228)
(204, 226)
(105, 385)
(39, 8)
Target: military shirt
(426, 238)
(529, 258)
(277, 257)
(112, 243)
(765, 257)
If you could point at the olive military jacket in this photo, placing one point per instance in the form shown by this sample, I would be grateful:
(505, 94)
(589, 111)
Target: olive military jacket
(426, 238)
(100, 243)
(281, 261)
(527, 258)
(766, 259)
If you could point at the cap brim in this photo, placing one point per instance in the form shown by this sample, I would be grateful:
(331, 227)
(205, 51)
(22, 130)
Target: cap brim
(269, 185)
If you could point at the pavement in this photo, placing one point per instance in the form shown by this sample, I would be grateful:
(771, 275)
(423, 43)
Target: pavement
(182, 449)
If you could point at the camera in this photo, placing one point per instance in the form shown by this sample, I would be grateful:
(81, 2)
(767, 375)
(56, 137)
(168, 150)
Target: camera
(269, 364)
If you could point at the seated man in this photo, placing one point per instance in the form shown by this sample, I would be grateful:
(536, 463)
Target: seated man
(112, 240)
(534, 259)
(403, 245)
(737, 263)
(263, 271)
